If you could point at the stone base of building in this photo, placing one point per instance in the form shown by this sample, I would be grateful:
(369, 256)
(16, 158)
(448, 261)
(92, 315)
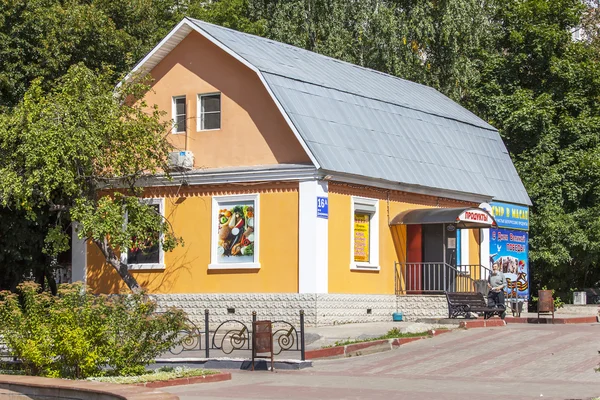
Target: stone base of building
(319, 309)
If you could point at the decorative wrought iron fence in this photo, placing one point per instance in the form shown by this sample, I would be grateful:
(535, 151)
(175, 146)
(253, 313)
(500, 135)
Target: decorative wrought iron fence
(236, 335)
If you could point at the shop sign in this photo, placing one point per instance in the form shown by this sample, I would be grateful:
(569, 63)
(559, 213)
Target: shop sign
(509, 248)
(361, 237)
(322, 207)
(511, 216)
(474, 215)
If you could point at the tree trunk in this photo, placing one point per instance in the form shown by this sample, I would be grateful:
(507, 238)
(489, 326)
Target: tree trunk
(120, 267)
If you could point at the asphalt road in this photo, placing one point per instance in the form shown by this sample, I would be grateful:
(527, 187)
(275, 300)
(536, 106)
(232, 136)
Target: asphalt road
(519, 361)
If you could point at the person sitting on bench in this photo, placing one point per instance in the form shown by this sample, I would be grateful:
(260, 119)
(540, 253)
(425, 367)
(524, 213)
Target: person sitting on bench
(496, 284)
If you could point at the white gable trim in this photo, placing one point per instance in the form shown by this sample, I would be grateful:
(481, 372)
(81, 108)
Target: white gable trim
(179, 33)
(163, 48)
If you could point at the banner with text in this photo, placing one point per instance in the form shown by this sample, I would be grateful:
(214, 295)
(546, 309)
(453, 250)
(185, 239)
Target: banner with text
(511, 216)
(509, 248)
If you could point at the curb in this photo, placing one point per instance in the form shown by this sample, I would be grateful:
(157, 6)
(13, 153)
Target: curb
(55, 388)
(482, 323)
(535, 320)
(363, 348)
(232, 363)
(222, 376)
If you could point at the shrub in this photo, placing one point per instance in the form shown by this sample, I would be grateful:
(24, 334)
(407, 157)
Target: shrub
(76, 334)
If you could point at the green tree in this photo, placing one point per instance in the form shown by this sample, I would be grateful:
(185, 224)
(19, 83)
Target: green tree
(541, 89)
(80, 150)
(43, 38)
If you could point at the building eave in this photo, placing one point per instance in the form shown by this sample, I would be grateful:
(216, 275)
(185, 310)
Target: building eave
(224, 176)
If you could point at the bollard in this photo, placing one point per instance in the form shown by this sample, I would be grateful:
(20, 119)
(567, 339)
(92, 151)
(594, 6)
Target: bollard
(302, 347)
(206, 334)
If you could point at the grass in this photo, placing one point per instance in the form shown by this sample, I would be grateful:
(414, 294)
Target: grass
(393, 333)
(161, 374)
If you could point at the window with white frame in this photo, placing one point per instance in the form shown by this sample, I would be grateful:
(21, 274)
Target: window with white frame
(179, 114)
(365, 233)
(235, 231)
(152, 257)
(209, 111)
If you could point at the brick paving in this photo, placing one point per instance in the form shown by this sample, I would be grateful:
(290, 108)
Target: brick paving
(519, 361)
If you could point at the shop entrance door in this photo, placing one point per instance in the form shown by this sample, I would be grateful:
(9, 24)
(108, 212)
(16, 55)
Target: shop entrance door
(439, 249)
(433, 256)
(433, 243)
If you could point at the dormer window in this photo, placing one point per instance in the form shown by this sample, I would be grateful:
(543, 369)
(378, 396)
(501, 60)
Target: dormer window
(209, 111)
(179, 114)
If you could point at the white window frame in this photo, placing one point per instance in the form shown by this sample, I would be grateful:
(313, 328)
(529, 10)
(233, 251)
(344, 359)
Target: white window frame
(216, 200)
(175, 130)
(161, 252)
(200, 113)
(373, 264)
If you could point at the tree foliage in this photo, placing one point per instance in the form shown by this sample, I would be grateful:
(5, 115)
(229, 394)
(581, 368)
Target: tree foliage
(512, 62)
(80, 149)
(541, 89)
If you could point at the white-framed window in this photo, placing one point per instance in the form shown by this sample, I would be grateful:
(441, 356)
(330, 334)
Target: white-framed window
(152, 258)
(365, 234)
(179, 113)
(235, 232)
(209, 111)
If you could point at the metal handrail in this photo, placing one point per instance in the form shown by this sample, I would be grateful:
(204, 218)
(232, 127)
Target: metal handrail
(434, 277)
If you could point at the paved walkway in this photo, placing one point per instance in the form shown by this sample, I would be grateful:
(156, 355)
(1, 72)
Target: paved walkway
(519, 361)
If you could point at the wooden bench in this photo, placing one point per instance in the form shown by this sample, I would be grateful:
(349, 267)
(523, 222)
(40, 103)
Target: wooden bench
(463, 304)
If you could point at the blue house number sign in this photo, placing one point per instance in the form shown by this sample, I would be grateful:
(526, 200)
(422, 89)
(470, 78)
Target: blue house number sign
(322, 207)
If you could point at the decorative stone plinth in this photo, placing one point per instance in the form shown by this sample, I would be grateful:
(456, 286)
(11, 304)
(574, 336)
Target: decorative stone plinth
(319, 309)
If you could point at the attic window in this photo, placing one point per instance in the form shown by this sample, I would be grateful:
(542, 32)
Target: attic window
(179, 114)
(209, 111)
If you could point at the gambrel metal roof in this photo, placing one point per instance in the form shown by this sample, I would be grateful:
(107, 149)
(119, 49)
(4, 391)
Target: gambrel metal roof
(363, 123)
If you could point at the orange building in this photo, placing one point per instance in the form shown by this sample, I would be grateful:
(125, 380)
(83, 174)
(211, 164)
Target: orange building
(306, 182)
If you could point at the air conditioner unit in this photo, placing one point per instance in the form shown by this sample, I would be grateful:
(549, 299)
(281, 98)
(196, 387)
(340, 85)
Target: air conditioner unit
(580, 298)
(181, 160)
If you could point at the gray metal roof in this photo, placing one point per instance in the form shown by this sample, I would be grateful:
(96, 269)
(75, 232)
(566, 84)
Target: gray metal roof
(362, 122)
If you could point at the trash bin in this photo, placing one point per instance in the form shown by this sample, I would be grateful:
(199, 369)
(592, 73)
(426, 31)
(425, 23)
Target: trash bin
(481, 286)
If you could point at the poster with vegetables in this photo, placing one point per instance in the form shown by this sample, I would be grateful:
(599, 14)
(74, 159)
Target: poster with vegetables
(236, 233)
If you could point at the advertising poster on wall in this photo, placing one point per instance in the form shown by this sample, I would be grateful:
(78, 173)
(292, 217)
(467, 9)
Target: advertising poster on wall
(236, 233)
(361, 237)
(509, 248)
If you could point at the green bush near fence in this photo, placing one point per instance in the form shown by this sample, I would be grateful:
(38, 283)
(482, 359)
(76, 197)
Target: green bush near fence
(77, 334)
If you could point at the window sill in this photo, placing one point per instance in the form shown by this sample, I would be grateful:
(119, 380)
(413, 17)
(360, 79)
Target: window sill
(143, 267)
(364, 267)
(207, 130)
(234, 266)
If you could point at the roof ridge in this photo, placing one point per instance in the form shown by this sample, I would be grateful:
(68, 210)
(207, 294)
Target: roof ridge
(484, 125)
(318, 54)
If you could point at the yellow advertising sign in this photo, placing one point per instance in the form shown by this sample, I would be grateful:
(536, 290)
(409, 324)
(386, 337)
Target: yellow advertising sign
(361, 237)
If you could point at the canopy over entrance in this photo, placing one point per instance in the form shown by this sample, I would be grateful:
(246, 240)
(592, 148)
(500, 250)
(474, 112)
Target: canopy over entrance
(463, 218)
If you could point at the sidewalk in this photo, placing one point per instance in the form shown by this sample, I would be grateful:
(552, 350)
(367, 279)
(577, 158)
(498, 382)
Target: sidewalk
(317, 337)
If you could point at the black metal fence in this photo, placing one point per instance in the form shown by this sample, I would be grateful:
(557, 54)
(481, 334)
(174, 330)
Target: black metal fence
(235, 335)
(437, 277)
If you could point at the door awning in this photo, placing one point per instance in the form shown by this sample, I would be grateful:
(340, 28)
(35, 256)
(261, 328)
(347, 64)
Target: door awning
(463, 218)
